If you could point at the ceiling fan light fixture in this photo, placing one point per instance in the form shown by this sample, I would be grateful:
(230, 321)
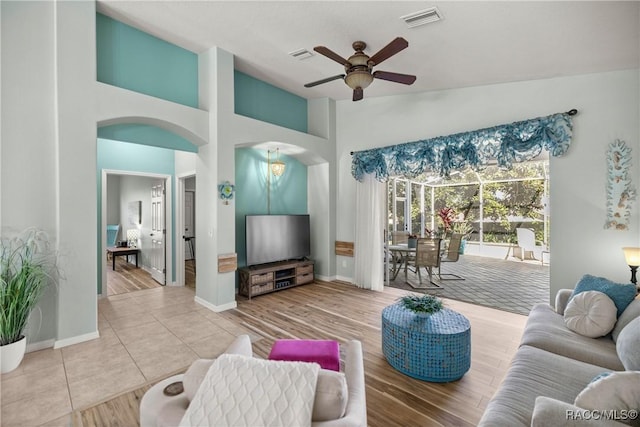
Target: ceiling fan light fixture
(358, 79)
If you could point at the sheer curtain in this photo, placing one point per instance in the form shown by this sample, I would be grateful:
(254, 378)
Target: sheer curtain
(369, 250)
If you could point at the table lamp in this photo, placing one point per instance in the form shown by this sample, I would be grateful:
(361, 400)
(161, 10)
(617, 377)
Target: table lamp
(132, 237)
(632, 255)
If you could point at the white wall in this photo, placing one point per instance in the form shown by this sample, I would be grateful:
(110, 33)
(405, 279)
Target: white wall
(28, 132)
(608, 105)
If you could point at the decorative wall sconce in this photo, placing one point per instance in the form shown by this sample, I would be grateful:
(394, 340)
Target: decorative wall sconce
(227, 190)
(632, 256)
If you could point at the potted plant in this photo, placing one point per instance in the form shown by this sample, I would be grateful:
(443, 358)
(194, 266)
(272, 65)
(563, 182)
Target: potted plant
(412, 240)
(464, 228)
(422, 305)
(26, 266)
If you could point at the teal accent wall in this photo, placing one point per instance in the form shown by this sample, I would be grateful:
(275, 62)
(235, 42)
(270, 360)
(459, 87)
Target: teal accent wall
(262, 101)
(146, 135)
(134, 60)
(118, 155)
(288, 192)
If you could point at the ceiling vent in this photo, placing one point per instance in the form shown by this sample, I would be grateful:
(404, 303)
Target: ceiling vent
(301, 54)
(422, 17)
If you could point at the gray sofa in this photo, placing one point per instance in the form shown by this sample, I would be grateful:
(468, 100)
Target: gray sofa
(553, 365)
(339, 401)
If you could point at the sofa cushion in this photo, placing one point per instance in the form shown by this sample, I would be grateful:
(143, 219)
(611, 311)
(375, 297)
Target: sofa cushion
(331, 398)
(618, 391)
(545, 329)
(552, 412)
(535, 372)
(631, 312)
(628, 345)
(621, 293)
(591, 314)
(330, 401)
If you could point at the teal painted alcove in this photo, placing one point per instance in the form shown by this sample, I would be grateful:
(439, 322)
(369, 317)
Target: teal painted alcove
(146, 135)
(134, 60)
(288, 192)
(262, 101)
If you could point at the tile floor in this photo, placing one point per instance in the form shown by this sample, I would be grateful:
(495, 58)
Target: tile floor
(144, 336)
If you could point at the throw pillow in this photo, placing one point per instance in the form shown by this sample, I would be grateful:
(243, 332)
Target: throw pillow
(631, 312)
(590, 313)
(619, 391)
(621, 293)
(330, 402)
(628, 346)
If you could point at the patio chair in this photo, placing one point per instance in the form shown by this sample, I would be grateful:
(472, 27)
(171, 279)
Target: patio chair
(427, 256)
(527, 245)
(452, 254)
(399, 237)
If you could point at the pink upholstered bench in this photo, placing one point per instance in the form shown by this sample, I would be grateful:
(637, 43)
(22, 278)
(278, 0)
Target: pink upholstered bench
(324, 352)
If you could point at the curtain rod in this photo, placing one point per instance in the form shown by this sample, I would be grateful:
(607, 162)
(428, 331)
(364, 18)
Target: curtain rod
(571, 112)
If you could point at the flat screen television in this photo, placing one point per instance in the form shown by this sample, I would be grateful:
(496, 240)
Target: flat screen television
(271, 238)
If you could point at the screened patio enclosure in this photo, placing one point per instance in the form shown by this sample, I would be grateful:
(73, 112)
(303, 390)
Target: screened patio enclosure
(487, 205)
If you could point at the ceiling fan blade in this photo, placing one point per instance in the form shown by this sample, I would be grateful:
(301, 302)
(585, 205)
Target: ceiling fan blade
(332, 55)
(328, 79)
(405, 79)
(389, 50)
(358, 94)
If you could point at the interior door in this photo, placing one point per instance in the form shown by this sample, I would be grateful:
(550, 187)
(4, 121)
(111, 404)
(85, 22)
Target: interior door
(189, 225)
(158, 231)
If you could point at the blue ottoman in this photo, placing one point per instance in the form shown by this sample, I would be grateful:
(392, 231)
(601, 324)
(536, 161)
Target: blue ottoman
(434, 348)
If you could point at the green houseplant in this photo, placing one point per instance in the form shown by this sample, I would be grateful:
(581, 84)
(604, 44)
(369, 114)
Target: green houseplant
(422, 305)
(26, 266)
(464, 228)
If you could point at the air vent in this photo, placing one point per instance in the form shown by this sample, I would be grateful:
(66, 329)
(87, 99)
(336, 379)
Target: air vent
(301, 54)
(422, 17)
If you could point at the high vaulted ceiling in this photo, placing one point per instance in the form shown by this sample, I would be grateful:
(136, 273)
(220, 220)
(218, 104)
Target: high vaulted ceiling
(475, 43)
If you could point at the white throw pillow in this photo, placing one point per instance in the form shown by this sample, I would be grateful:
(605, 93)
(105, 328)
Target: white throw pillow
(619, 391)
(590, 313)
(331, 397)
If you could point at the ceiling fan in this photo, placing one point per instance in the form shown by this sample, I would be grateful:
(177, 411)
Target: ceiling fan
(358, 67)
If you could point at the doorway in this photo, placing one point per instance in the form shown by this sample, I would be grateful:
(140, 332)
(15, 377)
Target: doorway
(186, 247)
(149, 230)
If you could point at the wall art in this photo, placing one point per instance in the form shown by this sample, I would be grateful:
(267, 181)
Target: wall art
(620, 190)
(226, 190)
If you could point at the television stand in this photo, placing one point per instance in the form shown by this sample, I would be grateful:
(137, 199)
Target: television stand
(275, 276)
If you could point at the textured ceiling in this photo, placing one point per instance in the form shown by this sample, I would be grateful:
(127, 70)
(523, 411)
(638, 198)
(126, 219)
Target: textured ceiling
(476, 43)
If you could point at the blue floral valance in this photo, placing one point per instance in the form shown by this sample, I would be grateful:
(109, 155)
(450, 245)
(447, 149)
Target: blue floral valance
(508, 144)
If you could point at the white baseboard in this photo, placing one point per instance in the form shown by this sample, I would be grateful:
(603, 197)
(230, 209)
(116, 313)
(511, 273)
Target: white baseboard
(216, 308)
(345, 279)
(76, 340)
(325, 278)
(40, 345)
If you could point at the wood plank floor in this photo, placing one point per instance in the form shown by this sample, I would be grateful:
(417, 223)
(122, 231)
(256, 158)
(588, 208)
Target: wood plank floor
(343, 312)
(127, 278)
